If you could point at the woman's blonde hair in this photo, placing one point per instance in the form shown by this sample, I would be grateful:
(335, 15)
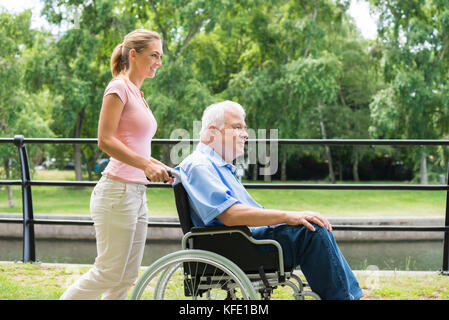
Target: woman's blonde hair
(138, 40)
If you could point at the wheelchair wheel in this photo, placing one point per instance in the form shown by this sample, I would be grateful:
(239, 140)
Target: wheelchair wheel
(299, 293)
(193, 274)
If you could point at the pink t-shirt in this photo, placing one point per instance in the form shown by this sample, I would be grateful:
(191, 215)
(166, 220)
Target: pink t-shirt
(136, 128)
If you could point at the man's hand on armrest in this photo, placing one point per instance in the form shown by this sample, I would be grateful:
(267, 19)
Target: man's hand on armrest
(240, 214)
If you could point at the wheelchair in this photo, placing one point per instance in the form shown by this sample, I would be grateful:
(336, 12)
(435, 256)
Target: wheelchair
(218, 263)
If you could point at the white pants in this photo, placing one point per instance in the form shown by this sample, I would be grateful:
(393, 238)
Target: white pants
(119, 212)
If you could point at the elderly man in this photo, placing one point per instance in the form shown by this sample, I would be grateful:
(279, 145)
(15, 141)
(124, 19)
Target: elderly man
(217, 197)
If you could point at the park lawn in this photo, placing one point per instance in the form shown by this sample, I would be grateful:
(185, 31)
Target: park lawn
(74, 200)
(353, 203)
(49, 281)
(332, 203)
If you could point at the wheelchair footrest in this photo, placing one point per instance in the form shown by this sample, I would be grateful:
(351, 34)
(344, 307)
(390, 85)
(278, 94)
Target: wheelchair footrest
(266, 291)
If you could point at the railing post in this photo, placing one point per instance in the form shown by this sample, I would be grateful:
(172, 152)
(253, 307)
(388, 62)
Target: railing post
(29, 248)
(445, 269)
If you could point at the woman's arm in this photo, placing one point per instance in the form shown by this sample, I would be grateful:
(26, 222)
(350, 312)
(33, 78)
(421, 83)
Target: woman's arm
(110, 113)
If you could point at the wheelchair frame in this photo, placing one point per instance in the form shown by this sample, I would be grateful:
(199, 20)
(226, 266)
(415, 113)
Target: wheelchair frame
(250, 283)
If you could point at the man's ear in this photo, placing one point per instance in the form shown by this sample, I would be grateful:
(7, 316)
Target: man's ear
(213, 129)
(209, 134)
(212, 133)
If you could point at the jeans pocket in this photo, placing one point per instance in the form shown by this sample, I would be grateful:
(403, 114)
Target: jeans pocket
(106, 195)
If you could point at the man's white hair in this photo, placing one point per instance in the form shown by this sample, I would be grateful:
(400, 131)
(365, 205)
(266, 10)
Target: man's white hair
(215, 114)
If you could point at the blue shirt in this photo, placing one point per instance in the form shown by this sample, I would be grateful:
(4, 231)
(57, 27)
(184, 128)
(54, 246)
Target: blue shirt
(211, 185)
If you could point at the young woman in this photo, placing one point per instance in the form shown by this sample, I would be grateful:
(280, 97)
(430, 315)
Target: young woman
(118, 202)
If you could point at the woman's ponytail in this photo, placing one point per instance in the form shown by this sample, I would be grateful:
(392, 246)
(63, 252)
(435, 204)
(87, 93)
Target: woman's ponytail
(117, 65)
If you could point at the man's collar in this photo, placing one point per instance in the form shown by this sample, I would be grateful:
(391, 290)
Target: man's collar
(214, 156)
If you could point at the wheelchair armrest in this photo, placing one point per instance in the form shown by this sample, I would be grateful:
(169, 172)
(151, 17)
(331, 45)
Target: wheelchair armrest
(244, 229)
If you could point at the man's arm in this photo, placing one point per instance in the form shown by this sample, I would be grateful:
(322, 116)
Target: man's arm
(240, 214)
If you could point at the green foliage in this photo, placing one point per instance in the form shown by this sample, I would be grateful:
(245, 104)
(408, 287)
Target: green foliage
(21, 111)
(412, 105)
(297, 66)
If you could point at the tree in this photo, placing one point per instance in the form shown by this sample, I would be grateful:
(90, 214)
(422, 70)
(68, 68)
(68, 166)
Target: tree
(77, 68)
(314, 83)
(177, 95)
(283, 35)
(299, 67)
(21, 112)
(415, 72)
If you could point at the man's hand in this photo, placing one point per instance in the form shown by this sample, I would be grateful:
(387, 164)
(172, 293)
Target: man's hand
(305, 218)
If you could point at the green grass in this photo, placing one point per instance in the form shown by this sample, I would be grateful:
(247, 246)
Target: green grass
(48, 282)
(34, 282)
(353, 203)
(403, 286)
(332, 203)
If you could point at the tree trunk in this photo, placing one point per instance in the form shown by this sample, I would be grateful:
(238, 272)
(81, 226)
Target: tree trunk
(267, 178)
(423, 167)
(284, 166)
(355, 167)
(255, 172)
(89, 165)
(77, 147)
(77, 158)
(10, 197)
(326, 148)
(340, 170)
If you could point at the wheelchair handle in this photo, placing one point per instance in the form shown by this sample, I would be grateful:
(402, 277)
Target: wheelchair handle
(171, 174)
(174, 174)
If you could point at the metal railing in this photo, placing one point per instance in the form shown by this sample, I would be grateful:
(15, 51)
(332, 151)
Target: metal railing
(28, 220)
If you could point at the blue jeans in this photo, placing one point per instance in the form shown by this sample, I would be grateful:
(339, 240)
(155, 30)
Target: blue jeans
(319, 257)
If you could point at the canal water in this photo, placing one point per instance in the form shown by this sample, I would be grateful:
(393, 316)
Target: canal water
(385, 255)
